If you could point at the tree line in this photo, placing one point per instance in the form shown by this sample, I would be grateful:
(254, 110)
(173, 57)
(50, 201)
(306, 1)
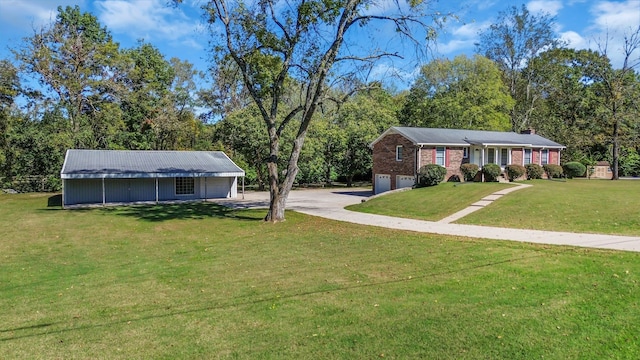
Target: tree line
(70, 85)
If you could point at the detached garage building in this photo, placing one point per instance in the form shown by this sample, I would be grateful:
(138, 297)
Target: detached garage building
(127, 176)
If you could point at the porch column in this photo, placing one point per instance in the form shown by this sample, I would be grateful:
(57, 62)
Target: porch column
(156, 190)
(482, 165)
(243, 188)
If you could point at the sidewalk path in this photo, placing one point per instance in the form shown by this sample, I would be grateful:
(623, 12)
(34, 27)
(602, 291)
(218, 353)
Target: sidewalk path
(482, 203)
(330, 203)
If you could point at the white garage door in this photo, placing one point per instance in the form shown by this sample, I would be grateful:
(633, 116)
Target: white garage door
(218, 187)
(383, 183)
(403, 181)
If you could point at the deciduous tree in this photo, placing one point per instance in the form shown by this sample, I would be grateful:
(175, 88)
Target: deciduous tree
(461, 93)
(272, 41)
(512, 41)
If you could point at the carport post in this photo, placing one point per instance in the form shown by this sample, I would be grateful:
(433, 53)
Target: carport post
(104, 198)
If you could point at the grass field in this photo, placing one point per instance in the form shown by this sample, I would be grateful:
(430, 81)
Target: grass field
(592, 206)
(200, 281)
(589, 206)
(430, 203)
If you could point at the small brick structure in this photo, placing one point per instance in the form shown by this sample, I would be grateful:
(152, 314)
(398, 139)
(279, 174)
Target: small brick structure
(400, 152)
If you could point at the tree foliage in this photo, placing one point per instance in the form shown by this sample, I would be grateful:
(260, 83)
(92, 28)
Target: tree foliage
(461, 93)
(511, 42)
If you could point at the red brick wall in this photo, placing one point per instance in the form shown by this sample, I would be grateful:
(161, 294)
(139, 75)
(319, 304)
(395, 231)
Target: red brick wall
(517, 156)
(384, 158)
(554, 156)
(453, 159)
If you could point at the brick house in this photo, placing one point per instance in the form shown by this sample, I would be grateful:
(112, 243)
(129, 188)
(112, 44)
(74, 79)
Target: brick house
(399, 152)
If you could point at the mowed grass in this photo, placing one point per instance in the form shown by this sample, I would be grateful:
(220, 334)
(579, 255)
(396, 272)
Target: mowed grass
(430, 203)
(200, 281)
(590, 206)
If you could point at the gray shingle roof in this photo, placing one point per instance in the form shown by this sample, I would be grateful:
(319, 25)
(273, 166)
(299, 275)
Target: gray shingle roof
(457, 137)
(146, 163)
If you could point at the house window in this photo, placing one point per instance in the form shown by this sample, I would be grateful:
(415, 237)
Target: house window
(399, 153)
(504, 157)
(527, 156)
(185, 186)
(544, 157)
(465, 153)
(440, 160)
(491, 156)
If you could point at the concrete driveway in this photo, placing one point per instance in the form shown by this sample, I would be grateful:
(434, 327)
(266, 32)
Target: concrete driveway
(330, 203)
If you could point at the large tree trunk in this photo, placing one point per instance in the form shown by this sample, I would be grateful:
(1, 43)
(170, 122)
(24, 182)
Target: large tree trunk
(616, 148)
(277, 206)
(279, 191)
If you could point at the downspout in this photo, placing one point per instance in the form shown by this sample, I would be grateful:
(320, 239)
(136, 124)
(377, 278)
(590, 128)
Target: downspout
(559, 156)
(417, 167)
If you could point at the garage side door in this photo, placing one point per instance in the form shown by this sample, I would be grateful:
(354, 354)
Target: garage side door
(403, 181)
(383, 183)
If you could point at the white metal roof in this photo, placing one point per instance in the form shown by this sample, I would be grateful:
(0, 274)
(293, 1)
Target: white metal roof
(92, 164)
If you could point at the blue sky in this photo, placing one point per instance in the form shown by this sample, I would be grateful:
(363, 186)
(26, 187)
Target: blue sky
(180, 32)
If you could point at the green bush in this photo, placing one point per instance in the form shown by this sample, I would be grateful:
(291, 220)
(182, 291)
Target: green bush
(491, 172)
(515, 171)
(469, 171)
(534, 171)
(431, 175)
(553, 171)
(574, 169)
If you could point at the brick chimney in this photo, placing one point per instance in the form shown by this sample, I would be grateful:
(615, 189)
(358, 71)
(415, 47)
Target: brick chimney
(528, 131)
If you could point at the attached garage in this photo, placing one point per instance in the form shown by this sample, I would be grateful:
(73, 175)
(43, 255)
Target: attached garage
(130, 176)
(404, 181)
(382, 183)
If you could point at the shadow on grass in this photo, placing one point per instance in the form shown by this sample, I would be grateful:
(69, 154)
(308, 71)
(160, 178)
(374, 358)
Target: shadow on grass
(55, 200)
(186, 210)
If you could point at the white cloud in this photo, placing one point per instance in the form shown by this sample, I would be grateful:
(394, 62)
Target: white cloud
(611, 22)
(151, 20)
(574, 40)
(24, 15)
(551, 7)
(462, 38)
(618, 16)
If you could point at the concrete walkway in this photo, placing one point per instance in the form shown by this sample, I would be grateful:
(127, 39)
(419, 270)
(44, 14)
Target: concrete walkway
(487, 200)
(330, 203)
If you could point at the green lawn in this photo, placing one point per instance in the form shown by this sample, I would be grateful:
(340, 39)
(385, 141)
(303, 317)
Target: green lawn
(593, 206)
(200, 281)
(430, 203)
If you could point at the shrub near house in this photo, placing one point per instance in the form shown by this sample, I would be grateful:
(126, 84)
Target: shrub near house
(400, 152)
